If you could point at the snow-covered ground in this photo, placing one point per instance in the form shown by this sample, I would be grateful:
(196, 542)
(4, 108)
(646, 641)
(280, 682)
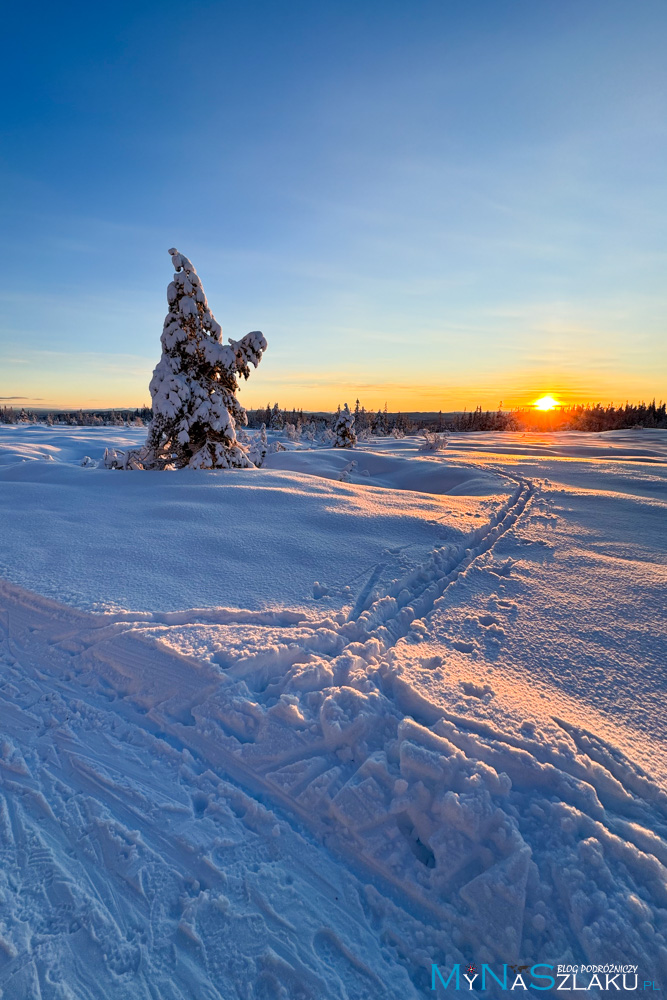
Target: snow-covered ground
(270, 734)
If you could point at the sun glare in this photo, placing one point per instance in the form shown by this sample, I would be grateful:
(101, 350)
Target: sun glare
(546, 403)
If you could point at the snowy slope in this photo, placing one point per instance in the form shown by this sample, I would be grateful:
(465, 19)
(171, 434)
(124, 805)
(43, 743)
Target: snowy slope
(282, 795)
(233, 538)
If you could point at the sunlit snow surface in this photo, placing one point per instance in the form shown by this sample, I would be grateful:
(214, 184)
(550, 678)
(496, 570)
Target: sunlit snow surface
(272, 734)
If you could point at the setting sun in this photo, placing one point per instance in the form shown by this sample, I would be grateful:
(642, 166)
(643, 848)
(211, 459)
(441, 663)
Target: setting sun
(546, 403)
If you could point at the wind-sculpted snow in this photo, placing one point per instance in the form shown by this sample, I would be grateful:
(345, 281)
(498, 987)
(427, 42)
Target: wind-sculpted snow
(325, 797)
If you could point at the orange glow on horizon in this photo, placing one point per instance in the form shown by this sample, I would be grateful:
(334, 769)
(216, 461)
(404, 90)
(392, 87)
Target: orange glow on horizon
(546, 403)
(507, 390)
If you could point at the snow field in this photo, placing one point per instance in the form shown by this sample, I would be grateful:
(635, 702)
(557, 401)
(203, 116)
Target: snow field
(251, 539)
(434, 746)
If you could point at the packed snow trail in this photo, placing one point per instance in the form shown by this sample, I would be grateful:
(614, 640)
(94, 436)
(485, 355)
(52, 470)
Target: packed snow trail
(131, 776)
(131, 869)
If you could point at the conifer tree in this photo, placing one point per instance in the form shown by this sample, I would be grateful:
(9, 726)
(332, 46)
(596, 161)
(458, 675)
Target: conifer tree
(343, 428)
(258, 448)
(277, 421)
(195, 409)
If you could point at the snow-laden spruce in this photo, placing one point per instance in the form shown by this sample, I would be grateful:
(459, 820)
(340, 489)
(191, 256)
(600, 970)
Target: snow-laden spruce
(343, 429)
(258, 448)
(195, 409)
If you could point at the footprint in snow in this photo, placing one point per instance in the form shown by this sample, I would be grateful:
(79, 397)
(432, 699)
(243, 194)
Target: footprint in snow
(431, 662)
(463, 647)
(476, 690)
(492, 627)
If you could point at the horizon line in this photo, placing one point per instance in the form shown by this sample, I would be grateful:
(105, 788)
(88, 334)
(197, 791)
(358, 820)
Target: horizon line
(6, 403)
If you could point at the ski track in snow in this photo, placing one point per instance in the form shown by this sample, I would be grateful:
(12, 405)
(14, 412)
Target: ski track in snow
(221, 794)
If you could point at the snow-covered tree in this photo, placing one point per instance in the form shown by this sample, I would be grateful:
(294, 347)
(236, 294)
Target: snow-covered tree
(343, 429)
(309, 431)
(259, 446)
(195, 409)
(276, 418)
(378, 426)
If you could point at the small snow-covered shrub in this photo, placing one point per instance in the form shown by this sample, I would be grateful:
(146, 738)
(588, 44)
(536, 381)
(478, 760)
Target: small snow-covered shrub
(433, 441)
(117, 459)
(347, 472)
(343, 429)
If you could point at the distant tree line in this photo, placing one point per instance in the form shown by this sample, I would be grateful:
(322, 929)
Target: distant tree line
(561, 418)
(575, 418)
(366, 422)
(591, 418)
(77, 418)
(312, 425)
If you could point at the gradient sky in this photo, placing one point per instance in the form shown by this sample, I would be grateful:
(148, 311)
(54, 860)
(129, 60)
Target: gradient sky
(435, 204)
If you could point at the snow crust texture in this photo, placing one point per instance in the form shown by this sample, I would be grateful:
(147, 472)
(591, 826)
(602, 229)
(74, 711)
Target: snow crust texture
(322, 798)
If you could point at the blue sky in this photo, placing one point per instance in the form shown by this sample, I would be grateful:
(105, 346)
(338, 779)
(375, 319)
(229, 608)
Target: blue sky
(437, 204)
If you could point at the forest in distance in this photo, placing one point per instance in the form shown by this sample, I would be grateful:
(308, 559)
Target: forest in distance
(587, 418)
